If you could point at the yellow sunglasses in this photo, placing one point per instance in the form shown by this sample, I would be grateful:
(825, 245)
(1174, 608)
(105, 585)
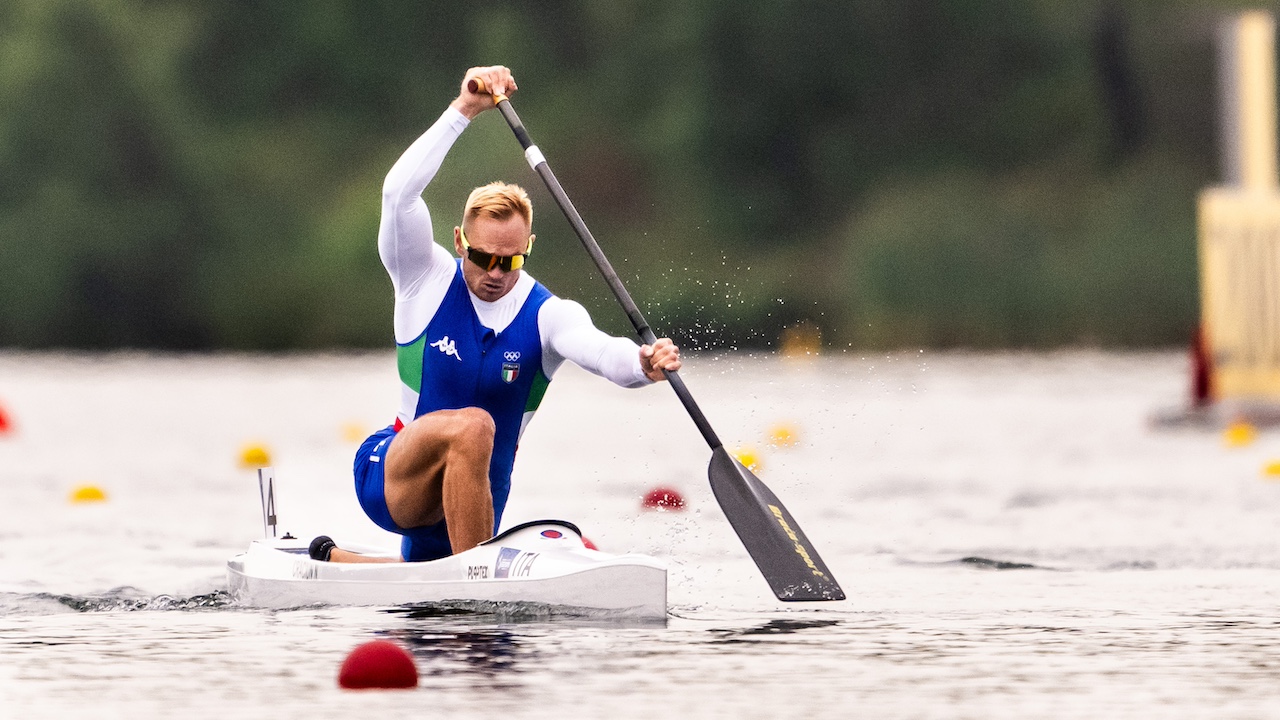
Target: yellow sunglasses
(489, 261)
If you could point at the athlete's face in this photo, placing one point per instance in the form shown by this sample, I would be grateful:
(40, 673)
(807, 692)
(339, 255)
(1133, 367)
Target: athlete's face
(495, 237)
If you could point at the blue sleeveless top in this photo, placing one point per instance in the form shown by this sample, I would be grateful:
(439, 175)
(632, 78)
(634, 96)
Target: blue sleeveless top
(465, 364)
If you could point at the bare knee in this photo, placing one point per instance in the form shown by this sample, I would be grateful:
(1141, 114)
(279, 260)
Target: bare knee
(446, 428)
(425, 446)
(472, 424)
(471, 432)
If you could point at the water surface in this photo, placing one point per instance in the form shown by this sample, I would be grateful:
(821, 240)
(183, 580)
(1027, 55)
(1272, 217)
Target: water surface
(1014, 538)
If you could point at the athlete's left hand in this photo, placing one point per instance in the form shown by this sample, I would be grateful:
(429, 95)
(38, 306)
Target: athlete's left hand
(662, 355)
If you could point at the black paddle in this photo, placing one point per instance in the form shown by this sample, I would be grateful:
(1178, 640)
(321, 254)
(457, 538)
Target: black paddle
(772, 537)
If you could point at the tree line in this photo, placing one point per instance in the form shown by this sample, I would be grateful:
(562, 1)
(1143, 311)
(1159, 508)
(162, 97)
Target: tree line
(921, 173)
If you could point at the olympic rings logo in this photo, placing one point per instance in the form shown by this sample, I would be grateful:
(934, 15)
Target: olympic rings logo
(511, 356)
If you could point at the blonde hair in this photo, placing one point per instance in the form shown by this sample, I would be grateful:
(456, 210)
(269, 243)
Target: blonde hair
(498, 200)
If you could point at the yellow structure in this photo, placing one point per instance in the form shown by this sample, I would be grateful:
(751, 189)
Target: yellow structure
(1239, 223)
(1240, 291)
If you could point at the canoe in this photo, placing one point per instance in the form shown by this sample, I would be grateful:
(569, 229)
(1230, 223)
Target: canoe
(544, 562)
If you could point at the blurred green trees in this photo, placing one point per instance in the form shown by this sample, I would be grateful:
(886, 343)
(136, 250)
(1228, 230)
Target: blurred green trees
(988, 173)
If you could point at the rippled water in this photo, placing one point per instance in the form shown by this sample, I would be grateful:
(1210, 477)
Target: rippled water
(1015, 540)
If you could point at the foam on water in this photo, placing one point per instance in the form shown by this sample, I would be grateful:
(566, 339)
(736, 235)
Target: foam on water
(122, 599)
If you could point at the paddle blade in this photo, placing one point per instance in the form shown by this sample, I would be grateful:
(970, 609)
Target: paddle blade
(773, 538)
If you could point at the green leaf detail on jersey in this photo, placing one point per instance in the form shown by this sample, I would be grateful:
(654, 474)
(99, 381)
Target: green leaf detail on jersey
(539, 388)
(409, 362)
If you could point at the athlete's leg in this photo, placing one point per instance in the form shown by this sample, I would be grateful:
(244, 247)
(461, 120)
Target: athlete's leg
(346, 556)
(438, 468)
(324, 549)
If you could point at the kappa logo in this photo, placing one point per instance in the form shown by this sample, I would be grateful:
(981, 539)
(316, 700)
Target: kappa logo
(447, 347)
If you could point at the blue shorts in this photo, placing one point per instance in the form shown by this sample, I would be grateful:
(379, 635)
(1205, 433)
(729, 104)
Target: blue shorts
(429, 542)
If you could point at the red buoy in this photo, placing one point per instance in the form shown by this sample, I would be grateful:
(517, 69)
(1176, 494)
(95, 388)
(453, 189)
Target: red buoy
(6, 426)
(378, 664)
(589, 545)
(662, 499)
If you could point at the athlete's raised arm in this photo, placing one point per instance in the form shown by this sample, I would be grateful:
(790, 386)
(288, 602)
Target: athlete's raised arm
(405, 241)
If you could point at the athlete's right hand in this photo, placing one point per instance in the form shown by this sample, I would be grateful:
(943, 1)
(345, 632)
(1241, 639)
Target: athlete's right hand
(662, 355)
(496, 78)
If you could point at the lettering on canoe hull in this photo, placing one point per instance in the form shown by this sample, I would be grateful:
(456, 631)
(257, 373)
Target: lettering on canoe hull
(799, 547)
(523, 564)
(513, 563)
(477, 572)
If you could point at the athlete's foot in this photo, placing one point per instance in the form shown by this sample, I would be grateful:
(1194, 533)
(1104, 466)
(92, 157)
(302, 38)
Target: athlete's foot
(325, 549)
(321, 548)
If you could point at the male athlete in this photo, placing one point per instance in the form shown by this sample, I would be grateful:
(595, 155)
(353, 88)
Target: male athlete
(478, 340)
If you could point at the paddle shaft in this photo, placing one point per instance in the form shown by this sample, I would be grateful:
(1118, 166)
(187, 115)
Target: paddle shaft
(540, 166)
(770, 534)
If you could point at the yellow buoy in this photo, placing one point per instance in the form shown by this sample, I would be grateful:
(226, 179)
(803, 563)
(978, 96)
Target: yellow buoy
(748, 457)
(783, 435)
(1239, 434)
(354, 432)
(88, 494)
(802, 340)
(1272, 470)
(255, 456)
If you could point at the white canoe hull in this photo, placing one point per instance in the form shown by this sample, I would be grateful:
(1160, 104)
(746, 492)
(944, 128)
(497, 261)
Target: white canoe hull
(544, 563)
